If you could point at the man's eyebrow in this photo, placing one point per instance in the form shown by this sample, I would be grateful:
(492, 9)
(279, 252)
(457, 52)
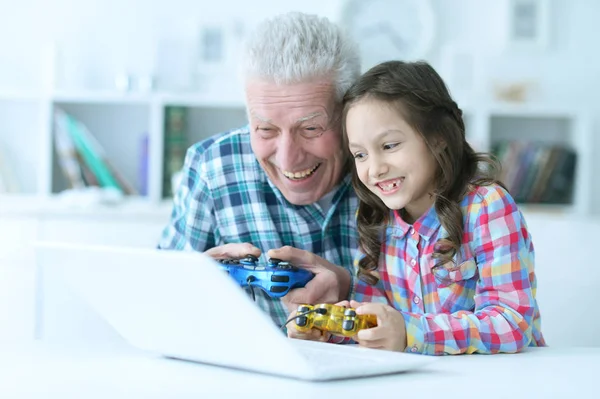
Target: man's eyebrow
(309, 117)
(266, 120)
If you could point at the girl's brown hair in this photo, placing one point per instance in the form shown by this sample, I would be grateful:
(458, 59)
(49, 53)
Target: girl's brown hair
(421, 96)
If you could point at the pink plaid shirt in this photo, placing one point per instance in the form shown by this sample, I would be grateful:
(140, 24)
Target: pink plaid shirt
(486, 304)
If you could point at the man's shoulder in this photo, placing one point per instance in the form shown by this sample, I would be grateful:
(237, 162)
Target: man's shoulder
(224, 153)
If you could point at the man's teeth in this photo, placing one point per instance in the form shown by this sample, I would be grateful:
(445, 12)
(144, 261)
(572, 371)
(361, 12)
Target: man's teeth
(302, 174)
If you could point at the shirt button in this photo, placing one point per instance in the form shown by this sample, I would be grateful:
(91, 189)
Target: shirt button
(412, 230)
(413, 262)
(416, 300)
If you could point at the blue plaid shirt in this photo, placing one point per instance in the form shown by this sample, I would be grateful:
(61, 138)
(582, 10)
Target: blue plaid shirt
(226, 197)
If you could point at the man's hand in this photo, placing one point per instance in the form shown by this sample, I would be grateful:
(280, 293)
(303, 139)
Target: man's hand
(331, 283)
(390, 333)
(233, 251)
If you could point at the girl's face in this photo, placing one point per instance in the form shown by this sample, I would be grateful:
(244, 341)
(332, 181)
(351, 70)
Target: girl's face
(392, 159)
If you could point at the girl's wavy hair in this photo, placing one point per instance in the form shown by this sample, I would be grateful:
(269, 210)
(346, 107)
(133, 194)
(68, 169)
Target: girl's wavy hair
(421, 97)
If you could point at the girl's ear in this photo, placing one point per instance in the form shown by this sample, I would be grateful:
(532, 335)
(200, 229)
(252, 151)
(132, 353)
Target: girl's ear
(439, 146)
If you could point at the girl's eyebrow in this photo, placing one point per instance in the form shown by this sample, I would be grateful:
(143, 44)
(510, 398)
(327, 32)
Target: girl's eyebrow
(378, 136)
(386, 133)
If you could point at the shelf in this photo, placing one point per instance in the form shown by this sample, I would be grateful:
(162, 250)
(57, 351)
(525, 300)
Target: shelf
(101, 97)
(530, 110)
(17, 205)
(19, 96)
(200, 101)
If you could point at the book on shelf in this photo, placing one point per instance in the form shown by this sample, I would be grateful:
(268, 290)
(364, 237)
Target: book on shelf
(144, 164)
(537, 173)
(82, 159)
(175, 146)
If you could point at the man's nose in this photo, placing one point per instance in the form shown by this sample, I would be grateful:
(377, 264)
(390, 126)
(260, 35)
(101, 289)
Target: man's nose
(288, 151)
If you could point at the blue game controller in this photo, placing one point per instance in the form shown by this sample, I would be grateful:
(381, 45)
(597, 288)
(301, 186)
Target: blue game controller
(276, 278)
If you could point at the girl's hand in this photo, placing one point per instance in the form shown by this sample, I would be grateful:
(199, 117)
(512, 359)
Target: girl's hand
(390, 333)
(311, 335)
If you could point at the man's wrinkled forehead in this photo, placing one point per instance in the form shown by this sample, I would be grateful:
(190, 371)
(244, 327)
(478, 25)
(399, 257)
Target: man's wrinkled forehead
(310, 116)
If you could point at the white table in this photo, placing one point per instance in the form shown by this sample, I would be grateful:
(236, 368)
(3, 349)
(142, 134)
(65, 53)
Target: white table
(43, 371)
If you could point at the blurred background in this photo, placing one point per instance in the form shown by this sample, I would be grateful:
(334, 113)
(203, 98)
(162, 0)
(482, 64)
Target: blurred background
(100, 99)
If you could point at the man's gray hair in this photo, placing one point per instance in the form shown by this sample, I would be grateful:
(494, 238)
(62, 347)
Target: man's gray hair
(296, 48)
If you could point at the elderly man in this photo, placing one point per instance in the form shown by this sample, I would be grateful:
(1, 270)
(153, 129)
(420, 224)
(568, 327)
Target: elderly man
(280, 186)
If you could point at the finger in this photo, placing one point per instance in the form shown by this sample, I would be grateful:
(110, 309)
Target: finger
(377, 309)
(345, 304)
(297, 297)
(311, 335)
(354, 304)
(233, 250)
(376, 344)
(372, 334)
(298, 257)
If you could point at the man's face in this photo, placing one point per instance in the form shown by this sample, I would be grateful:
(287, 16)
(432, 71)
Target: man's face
(296, 137)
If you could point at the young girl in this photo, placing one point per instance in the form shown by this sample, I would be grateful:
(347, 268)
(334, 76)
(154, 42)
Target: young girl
(445, 262)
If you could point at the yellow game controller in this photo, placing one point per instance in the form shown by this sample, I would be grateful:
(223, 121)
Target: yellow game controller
(334, 319)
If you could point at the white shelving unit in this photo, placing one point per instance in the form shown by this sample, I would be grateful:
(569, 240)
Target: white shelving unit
(118, 121)
(488, 124)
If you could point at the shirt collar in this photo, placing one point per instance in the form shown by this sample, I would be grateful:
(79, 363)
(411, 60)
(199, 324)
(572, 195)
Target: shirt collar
(426, 226)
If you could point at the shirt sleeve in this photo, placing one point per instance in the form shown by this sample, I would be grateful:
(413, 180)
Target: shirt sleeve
(192, 223)
(504, 296)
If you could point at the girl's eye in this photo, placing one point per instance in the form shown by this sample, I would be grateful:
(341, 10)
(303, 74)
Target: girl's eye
(359, 155)
(390, 146)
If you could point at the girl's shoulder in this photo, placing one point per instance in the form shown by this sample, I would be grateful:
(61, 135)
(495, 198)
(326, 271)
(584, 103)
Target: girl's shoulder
(492, 195)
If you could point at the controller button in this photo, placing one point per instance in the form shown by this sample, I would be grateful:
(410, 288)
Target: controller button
(348, 325)
(284, 266)
(278, 288)
(260, 268)
(274, 260)
(301, 321)
(280, 279)
(350, 313)
(303, 309)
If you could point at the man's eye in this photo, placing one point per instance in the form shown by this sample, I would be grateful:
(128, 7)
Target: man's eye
(266, 131)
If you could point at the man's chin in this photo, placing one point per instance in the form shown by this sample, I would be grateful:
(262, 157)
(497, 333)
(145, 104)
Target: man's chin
(300, 199)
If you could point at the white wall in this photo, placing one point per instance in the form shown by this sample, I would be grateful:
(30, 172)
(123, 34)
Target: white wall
(100, 38)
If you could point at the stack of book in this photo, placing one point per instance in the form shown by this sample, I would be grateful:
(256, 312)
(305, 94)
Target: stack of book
(81, 157)
(537, 173)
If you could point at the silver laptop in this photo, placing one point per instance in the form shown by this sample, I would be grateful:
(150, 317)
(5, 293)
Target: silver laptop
(181, 305)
